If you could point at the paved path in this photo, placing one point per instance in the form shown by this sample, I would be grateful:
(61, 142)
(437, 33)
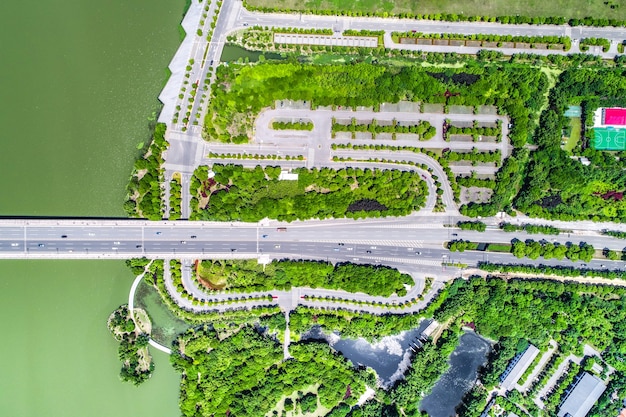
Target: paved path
(131, 308)
(289, 300)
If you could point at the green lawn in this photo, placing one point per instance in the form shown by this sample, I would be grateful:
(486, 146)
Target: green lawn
(499, 247)
(565, 8)
(574, 135)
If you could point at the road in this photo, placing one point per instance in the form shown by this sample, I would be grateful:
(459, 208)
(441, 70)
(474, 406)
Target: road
(415, 242)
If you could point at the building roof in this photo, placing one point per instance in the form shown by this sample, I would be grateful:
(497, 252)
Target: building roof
(519, 368)
(584, 395)
(615, 116)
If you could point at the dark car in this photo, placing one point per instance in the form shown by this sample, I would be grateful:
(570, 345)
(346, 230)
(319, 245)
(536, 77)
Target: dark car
(63, 236)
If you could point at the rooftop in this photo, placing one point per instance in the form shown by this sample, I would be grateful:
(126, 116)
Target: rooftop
(519, 368)
(584, 395)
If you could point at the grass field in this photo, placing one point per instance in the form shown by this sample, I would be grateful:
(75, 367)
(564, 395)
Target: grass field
(574, 135)
(564, 8)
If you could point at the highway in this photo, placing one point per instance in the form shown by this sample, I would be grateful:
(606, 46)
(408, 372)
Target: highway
(408, 242)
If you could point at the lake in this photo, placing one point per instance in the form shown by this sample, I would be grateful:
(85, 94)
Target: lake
(80, 81)
(469, 355)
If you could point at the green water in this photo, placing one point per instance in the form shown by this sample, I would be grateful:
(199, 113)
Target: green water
(57, 356)
(165, 325)
(78, 82)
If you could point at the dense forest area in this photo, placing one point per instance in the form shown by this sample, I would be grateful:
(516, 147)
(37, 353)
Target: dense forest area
(243, 90)
(249, 275)
(559, 187)
(238, 193)
(241, 369)
(245, 374)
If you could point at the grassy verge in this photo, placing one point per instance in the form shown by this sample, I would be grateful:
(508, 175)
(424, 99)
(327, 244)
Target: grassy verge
(574, 135)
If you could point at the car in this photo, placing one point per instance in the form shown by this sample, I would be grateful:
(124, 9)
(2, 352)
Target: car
(368, 251)
(455, 234)
(116, 243)
(183, 242)
(340, 244)
(245, 24)
(15, 244)
(418, 253)
(194, 236)
(264, 236)
(276, 246)
(372, 247)
(350, 248)
(138, 246)
(92, 234)
(355, 259)
(211, 62)
(336, 249)
(233, 250)
(409, 249)
(63, 236)
(583, 264)
(41, 245)
(158, 233)
(602, 266)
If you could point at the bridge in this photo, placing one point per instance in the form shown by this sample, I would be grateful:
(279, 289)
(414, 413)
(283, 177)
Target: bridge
(411, 242)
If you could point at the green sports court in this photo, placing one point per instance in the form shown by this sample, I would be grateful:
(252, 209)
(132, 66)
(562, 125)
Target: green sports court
(609, 139)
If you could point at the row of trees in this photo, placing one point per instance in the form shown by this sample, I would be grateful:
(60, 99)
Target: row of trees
(549, 40)
(238, 193)
(615, 233)
(533, 249)
(474, 181)
(530, 228)
(292, 125)
(248, 276)
(175, 199)
(484, 131)
(423, 128)
(586, 42)
(558, 270)
(474, 156)
(468, 225)
(450, 17)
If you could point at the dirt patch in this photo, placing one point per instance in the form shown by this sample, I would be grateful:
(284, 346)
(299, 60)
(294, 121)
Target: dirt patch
(475, 195)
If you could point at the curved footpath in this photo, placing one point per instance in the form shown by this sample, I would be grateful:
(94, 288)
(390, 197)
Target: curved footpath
(131, 308)
(289, 300)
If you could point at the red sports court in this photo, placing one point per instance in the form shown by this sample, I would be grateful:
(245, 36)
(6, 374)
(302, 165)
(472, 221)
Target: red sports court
(615, 116)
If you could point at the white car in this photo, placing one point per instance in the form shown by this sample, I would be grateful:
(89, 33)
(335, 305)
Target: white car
(15, 244)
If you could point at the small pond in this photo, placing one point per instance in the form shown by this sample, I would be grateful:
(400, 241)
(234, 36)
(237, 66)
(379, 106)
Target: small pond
(447, 393)
(165, 325)
(390, 357)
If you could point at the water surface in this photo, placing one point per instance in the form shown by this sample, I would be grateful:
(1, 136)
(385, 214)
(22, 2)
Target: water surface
(447, 393)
